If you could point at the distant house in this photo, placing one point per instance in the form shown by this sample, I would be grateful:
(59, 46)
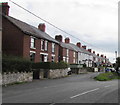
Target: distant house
(66, 52)
(22, 39)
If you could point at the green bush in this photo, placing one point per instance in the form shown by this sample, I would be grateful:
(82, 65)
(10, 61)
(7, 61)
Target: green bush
(15, 64)
(106, 76)
(49, 65)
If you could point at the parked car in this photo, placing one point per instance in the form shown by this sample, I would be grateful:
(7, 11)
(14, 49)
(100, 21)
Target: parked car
(112, 69)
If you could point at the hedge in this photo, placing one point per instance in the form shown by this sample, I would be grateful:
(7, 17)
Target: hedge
(18, 64)
(49, 65)
(15, 64)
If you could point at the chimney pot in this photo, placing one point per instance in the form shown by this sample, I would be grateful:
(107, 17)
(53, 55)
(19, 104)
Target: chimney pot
(5, 8)
(93, 52)
(41, 27)
(67, 40)
(89, 50)
(78, 44)
(97, 54)
(58, 38)
(84, 47)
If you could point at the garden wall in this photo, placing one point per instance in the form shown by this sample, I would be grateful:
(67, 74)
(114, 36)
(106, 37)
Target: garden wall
(8, 78)
(58, 73)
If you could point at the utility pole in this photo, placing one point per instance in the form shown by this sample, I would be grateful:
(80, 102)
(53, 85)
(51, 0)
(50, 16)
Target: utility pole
(115, 54)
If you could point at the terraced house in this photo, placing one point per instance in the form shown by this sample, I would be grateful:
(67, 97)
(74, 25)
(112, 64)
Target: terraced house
(22, 39)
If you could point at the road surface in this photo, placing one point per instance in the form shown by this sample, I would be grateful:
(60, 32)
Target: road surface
(80, 88)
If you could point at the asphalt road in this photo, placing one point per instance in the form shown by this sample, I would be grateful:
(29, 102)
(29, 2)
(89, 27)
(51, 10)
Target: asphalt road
(73, 89)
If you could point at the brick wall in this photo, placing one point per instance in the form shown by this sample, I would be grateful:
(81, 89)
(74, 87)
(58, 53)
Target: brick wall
(12, 39)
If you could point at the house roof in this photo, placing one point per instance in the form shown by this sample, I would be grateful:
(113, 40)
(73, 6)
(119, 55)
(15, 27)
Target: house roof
(65, 45)
(29, 29)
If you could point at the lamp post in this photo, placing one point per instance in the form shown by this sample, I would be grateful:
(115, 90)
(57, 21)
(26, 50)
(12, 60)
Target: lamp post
(115, 54)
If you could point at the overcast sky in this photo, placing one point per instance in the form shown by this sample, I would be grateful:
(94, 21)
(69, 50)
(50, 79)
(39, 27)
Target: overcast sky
(92, 21)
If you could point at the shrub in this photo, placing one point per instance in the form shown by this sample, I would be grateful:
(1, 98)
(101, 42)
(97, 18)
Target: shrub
(107, 76)
(15, 64)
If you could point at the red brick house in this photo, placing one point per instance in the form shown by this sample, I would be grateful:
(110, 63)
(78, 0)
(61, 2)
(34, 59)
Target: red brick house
(66, 52)
(22, 39)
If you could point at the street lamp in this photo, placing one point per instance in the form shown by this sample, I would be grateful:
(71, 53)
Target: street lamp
(115, 54)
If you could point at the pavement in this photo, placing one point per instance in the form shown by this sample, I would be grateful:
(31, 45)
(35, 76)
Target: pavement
(80, 88)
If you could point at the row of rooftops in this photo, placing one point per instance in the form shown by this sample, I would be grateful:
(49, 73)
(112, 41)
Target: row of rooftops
(40, 33)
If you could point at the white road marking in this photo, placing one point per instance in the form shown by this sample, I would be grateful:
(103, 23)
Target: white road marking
(84, 93)
(108, 86)
(50, 87)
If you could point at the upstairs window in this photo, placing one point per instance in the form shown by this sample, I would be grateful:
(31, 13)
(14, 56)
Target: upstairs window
(53, 47)
(32, 42)
(74, 54)
(67, 52)
(46, 45)
(42, 45)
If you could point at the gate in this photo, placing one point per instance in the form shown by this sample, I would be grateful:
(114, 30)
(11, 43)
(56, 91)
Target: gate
(36, 74)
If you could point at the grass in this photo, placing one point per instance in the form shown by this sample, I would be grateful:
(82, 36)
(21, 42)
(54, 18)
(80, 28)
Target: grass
(15, 83)
(107, 76)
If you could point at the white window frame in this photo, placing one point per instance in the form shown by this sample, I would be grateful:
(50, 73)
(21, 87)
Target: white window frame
(53, 47)
(74, 54)
(46, 45)
(32, 52)
(53, 56)
(32, 42)
(42, 43)
(67, 52)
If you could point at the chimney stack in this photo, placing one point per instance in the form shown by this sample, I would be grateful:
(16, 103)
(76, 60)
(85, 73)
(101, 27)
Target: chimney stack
(67, 40)
(93, 52)
(5, 8)
(84, 47)
(89, 50)
(41, 27)
(78, 44)
(97, 54)
(58, 38)
(102, 55)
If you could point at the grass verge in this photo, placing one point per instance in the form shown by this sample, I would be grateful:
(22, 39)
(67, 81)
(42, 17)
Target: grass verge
(15, 83)
(107, 76)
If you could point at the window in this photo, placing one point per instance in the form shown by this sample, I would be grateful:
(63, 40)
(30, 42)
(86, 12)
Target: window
(32, 43)
(64, 59)
(32, 56)
(74, 54)
(46, 45)
(67, 52)
(53, 47)
(74, 60)
(42, 45)
(53, 58)
(67, 60)
(44, 58)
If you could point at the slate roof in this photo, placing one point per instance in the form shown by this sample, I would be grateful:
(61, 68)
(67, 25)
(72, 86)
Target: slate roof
(29, 29)
(76, 48)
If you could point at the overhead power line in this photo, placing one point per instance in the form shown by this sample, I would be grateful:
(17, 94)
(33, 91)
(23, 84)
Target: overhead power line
(55, 26)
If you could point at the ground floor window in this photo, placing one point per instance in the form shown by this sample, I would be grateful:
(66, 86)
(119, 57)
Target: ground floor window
(32, 56)
(53, 58)
(43, 58)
